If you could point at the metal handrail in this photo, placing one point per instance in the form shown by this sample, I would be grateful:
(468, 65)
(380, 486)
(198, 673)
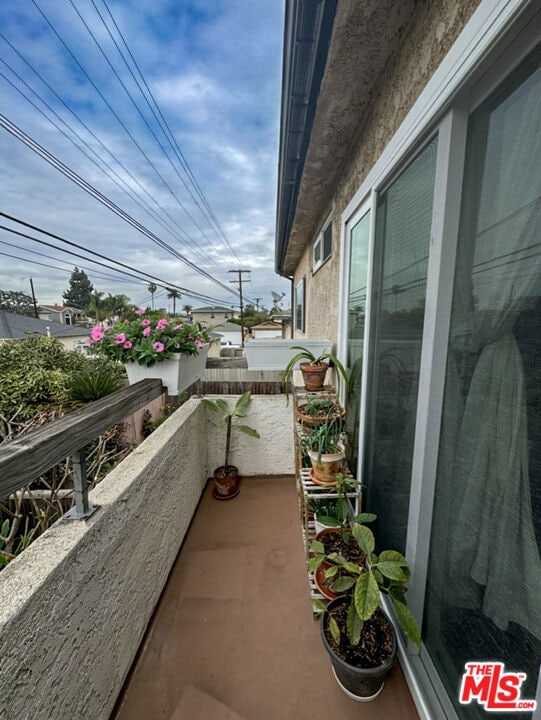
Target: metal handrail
(27, 457)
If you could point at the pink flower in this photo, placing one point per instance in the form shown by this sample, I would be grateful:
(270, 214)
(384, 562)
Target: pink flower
(146, 322)
(97, 333)
(127, 345)
(162, 324)
(120, 339)
(126, 322)
(198, 344)
(190, 337)
(139, 312)
(146, 331)
(158, 346)
(88, 343)
(178, 327)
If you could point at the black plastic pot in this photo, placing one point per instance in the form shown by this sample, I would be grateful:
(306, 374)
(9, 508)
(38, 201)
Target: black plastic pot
(363, 684)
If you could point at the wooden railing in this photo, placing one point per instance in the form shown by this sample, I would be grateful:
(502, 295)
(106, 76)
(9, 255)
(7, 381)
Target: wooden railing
(24, 459)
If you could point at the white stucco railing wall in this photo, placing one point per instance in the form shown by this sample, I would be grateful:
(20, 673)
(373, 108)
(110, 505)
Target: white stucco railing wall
(74, 606)
(273, 454)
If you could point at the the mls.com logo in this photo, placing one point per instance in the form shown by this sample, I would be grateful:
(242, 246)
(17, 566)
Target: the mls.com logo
(488, 684)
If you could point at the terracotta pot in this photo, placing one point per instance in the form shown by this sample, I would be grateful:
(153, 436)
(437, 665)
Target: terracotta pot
(226, 484)
(319, 580)
(326, 467)
(312, 421)
(314, 375)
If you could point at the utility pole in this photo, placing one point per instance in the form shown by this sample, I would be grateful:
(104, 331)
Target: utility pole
(240, 281)
(257, 303)
(34, 298)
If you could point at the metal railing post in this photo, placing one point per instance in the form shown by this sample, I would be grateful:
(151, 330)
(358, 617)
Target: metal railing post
(82, 508)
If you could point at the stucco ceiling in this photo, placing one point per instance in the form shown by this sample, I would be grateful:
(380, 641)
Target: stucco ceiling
(364, 35)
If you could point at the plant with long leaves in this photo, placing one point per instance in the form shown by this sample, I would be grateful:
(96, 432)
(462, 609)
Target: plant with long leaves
(383, 574)
(309, 357)
(228, 416)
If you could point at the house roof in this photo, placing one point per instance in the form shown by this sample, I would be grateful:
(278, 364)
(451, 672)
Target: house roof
(356, 41)
(268, 325)
(227, 327)
(59, 308)
(19, 327)
(213, 309)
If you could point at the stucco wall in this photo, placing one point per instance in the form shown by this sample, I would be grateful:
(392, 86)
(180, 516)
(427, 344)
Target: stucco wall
(429, 36)
(272, 454)
(75, 604)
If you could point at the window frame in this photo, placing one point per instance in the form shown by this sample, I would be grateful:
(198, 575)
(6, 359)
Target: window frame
(300, 301)
(319, 243)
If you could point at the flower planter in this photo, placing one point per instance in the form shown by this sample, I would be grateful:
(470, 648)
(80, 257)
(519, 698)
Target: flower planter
(176, 374)
(274, 354)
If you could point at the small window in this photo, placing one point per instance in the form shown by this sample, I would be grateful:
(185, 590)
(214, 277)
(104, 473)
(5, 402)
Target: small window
(300, 297)
(322, 247)
(212, 316)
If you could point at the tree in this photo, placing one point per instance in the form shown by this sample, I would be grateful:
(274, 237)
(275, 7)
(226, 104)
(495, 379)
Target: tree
(16, 302)
(116, 305)
(152, 289)
(95, 305)
(175, 295)
(187, 309)
(79, 291)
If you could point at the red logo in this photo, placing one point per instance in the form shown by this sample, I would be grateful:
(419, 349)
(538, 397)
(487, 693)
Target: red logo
(488, 684)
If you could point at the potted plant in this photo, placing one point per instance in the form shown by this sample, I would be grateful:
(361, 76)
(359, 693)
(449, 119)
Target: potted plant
(314, 368)
(226, 477)
(326, 451)
(318, 411)
(155, 347)
(356, 632)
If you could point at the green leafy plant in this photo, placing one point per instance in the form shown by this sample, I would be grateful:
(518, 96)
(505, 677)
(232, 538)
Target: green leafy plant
(325, 438)
(89, 385)
(147, 340)
(229, 419)
(380, 575)
(309, 357)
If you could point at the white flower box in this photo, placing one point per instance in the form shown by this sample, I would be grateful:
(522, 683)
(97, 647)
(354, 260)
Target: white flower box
(176, 373)
(274, 354)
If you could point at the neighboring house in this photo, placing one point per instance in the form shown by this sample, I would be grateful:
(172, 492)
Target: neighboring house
(212, 315)
(60, 314)
(284, 318)
(229, 332)
(267, 329)
(19, 327)
(409, 217)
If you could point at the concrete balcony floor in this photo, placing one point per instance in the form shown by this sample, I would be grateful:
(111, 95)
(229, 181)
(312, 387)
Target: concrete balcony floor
(233, 636)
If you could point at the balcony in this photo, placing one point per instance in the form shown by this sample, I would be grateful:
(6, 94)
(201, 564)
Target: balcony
(224, 627)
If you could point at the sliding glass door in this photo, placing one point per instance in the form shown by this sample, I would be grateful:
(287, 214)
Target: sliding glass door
(403, 222)
(483, 599)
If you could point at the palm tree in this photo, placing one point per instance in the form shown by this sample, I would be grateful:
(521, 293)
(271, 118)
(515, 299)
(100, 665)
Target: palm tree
(95, 305)
(152, 289)
(116, 305)
(175, 295)
(187, 309)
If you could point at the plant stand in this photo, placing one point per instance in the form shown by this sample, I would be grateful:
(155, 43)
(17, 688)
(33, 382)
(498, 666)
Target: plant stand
(308, 490)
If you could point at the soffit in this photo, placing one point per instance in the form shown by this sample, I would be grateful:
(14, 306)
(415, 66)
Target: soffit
(364, 36)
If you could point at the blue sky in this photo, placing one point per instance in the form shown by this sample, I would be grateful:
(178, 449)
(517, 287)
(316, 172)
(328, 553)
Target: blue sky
(214, 68)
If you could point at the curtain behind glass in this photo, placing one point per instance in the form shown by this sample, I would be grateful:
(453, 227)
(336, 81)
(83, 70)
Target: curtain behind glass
(403, 222)
(484, 585)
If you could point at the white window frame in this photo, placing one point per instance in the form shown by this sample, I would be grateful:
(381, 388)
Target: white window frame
(300, 299)
(484, 53)
(318, 243)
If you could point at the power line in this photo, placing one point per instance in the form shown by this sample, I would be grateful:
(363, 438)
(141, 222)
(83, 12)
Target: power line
(119, 180)
(162, 282)
(169, 134)
(14, 130)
